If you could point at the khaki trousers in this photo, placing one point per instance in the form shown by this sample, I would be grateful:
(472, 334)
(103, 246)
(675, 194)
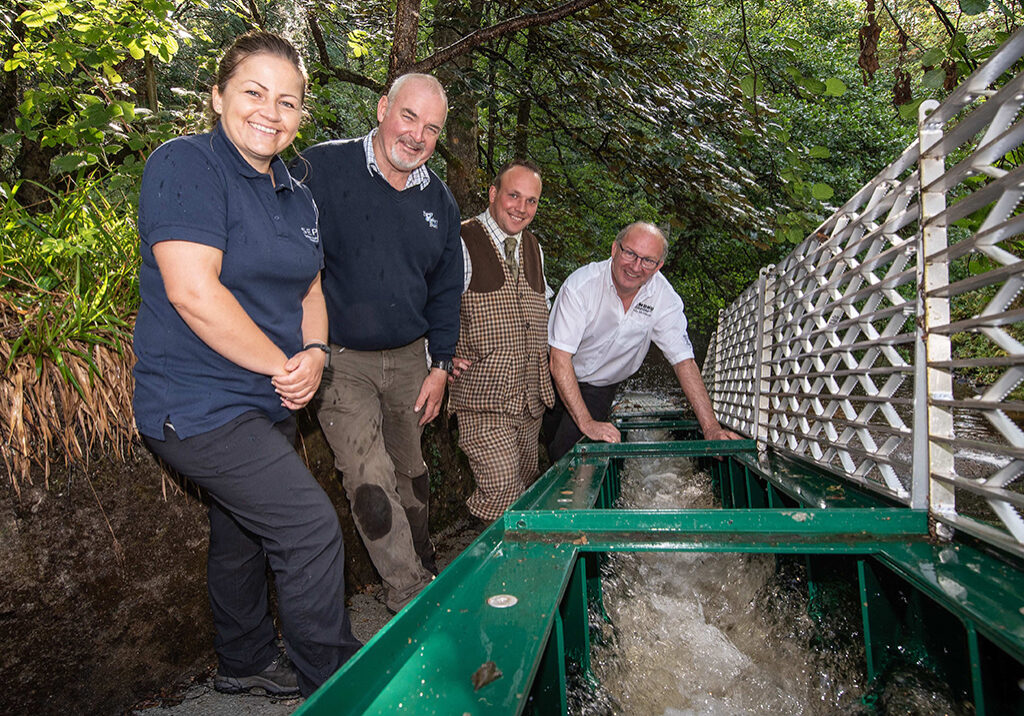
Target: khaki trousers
(366, 411)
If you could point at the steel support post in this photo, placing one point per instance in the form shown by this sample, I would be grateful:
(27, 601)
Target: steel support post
(719, 379)
(977, 682)
(736, 485)
(575, 621)
(762, 381)
(724, 484)
(549, 695)
(757, 495)
(595, 593)
(614, 480)
(879, 620)
(933, 424)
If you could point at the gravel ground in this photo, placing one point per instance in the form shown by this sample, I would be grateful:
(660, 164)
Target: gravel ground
(368, 615)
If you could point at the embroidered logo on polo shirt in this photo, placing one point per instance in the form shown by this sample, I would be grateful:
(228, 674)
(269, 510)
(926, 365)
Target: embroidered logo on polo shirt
(311, 233)
(428, 216)
(644, 309)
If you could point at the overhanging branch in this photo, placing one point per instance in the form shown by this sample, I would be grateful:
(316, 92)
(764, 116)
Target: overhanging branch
(330, 70)
(486, 34)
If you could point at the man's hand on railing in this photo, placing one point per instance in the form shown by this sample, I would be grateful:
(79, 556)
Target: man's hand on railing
(720, 433)
(602, 432)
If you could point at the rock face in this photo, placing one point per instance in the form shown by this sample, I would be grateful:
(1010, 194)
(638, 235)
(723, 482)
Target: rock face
(103, 598)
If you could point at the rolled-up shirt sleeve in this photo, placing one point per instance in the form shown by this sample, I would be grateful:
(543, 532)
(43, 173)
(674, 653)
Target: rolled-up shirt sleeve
(568, 319)
(669, 333)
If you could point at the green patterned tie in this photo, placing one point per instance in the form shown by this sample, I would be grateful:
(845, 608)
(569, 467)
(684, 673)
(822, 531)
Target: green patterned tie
(510, 257)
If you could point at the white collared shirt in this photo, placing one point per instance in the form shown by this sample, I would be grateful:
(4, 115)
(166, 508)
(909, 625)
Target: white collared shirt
(417, 177)
(498, 238)
(607, 343)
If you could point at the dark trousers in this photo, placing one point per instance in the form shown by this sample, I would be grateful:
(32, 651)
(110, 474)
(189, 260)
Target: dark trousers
(265, 505)
(559, 431)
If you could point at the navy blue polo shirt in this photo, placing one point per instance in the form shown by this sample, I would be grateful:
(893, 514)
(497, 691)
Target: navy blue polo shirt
(200, 189)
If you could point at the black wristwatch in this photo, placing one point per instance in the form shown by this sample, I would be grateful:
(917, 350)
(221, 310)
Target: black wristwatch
(445, 365)
(322, 346)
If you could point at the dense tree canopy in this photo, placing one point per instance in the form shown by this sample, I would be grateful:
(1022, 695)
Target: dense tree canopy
(734, 125)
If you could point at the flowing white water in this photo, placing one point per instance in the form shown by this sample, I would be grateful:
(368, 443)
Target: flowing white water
(706, 633)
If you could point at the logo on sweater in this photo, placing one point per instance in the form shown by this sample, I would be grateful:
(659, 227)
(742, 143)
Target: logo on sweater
(313, 234)
(428, 216)
(644, 309)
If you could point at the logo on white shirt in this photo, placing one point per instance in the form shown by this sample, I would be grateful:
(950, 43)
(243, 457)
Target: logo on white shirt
(644, 309)
(428, 216)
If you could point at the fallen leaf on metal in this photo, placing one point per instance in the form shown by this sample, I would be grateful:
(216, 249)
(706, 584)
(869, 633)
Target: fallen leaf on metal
(487, 673)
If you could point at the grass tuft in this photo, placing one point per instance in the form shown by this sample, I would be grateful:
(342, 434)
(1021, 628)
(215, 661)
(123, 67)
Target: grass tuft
(68, 294)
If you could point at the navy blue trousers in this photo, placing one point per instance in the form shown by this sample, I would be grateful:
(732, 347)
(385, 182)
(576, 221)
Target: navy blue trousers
(559, 431)
(266, 505)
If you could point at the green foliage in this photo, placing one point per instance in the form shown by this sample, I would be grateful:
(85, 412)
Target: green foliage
(82, 66)
(948, 41)
(973, 7)
(733, 125)
(69, 274)
(635, 122)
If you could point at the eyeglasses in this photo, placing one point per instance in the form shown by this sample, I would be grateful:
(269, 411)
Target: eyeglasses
(646, 261)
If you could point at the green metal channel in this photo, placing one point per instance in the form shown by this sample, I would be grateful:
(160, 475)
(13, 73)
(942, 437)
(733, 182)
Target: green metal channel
(689, 448)
(425, 659)
(450, 652)
(853, 524)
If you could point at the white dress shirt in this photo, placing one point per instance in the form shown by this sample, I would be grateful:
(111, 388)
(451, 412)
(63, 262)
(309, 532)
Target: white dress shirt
(607, 343)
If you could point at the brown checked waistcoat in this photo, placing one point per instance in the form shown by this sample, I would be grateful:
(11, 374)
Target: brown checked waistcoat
(504, 330)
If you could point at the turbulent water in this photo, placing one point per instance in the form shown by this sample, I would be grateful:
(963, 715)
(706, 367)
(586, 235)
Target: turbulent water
(702, 633)
(728, 634)
(705, 633)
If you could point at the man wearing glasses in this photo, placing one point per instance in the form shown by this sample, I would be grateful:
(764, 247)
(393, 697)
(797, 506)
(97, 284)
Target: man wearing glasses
(601, 326)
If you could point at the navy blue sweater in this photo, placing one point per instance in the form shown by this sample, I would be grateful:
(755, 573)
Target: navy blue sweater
(392, 259)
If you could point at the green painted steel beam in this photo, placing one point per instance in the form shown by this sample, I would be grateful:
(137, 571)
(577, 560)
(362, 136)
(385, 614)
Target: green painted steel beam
(976, 586)
(854, 523)
(641, 424)
(680, 448)
(572, 484)
(803, 531)
(739, 544)
(809, 485)
(655, 414)
(450, 651)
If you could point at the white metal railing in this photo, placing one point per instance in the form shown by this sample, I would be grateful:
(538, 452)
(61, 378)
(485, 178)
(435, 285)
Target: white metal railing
(901, 373)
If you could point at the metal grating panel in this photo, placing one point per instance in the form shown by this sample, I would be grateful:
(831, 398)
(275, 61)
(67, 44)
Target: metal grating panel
(904, 376)
(734, 386)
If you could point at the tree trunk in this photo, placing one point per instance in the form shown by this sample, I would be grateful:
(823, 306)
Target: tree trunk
(403, 48)
(151, 95)
(10, 97)
(456, 22)
(521, 147)
(492, 117)
(33, 166)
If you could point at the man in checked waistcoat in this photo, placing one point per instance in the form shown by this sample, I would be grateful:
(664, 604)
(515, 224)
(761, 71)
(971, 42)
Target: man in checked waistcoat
(502, 382)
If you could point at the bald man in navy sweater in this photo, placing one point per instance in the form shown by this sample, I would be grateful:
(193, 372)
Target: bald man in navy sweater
(393, 283)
